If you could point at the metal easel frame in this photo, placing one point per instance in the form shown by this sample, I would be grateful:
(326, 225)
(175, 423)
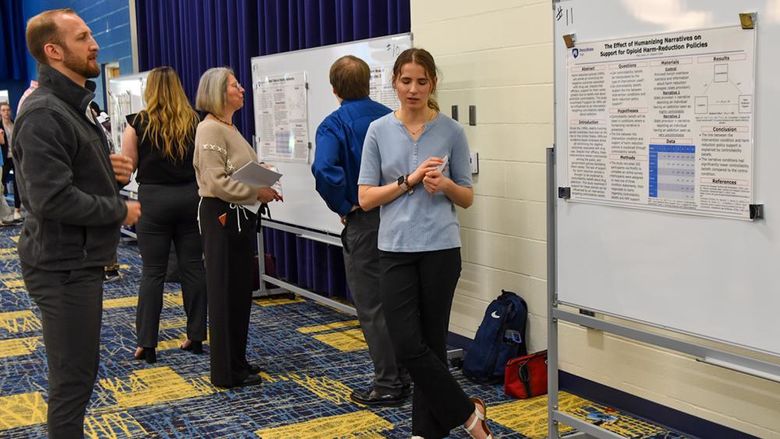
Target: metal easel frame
(286, 286)
(740, 363)
(732, 361)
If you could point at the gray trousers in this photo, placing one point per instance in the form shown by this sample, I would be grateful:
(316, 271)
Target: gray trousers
(361, 260)
(71, 304)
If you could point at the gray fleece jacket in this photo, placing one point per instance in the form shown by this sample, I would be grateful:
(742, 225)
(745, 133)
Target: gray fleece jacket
(65, 179)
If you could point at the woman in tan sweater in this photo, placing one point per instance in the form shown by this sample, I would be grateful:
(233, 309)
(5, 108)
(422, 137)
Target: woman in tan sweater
(228, 223)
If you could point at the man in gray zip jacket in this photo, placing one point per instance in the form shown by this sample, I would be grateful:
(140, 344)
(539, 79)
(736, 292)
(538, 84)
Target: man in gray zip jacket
(68, 180)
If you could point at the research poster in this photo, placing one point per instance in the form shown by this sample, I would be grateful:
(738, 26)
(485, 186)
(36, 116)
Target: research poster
(281, 123)
(664, 122)
(381, 86)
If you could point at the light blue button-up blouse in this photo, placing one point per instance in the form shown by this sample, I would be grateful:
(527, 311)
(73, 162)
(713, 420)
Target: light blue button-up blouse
(418, 221)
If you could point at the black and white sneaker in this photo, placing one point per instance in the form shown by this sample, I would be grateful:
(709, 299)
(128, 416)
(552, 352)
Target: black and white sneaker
(10, 220)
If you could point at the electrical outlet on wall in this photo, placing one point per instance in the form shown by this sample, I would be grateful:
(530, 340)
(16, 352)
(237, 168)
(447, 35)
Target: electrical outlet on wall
(474, 162)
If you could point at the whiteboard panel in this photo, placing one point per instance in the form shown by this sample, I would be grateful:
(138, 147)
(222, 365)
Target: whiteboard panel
(302, 204)
(711, 277)
(125, 97)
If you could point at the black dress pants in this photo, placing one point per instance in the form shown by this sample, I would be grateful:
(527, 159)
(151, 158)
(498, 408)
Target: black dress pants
(229, 256)
(170, 215)
(417, 291)
(71, 304)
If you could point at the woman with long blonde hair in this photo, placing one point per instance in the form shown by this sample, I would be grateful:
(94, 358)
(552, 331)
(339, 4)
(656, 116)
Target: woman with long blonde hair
(160, 142)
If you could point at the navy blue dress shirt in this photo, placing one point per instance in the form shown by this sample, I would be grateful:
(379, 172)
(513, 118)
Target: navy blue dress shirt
(339, 146)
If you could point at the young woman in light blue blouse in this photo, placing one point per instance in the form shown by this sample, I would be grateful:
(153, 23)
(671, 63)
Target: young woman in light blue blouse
(415, 165)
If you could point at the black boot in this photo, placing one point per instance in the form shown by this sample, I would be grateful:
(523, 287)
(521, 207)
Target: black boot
(196, 347)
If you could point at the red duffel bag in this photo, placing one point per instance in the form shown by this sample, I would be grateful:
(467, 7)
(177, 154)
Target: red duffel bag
(526, 376)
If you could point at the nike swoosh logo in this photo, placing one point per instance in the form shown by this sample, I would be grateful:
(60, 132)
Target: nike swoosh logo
(495, 315)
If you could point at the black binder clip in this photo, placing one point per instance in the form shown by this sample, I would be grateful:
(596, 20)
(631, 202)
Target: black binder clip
(564, 192)
(756, 211)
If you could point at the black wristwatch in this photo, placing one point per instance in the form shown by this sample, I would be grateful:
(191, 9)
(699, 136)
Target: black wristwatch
(403, 182)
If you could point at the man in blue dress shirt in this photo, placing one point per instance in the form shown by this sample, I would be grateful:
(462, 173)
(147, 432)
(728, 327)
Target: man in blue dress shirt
(336, 167)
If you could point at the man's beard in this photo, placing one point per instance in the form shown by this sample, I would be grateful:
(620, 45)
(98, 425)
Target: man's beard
(82, 67)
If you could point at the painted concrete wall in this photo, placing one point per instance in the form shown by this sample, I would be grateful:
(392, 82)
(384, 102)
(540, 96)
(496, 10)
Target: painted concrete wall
(498, 55)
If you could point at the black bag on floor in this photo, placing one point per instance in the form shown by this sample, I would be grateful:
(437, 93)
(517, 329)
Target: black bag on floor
(500, 337)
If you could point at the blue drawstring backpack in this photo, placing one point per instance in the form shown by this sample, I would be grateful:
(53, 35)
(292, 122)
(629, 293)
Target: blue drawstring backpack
(500, 337)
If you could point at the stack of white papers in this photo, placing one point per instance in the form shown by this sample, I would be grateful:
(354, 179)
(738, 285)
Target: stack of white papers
(256, 175)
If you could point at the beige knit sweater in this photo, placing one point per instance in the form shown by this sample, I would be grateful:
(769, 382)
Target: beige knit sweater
(219, 151)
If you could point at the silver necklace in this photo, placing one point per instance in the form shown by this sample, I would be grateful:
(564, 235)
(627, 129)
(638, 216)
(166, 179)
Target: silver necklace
(414, 132)
(421, 128)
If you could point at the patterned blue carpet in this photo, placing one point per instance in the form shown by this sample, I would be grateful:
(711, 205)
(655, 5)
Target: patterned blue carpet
(312, 357)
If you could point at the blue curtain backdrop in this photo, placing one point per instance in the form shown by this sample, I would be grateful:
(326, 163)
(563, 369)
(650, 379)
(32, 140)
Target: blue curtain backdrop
(192, 36)
(13, 48)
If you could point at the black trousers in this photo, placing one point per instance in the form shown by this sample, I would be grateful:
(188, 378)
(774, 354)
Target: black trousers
(361, 260)
(170, 215)
(71, 304)
(417, 291)
(229, 256)
(8, 166)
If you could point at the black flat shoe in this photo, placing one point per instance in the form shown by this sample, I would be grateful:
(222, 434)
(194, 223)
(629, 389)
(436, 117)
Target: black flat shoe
(196, 347)
(251, 380)
(147, 354)
(254, 370)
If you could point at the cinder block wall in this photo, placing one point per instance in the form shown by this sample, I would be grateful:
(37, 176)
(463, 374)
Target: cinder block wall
(498, 56)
